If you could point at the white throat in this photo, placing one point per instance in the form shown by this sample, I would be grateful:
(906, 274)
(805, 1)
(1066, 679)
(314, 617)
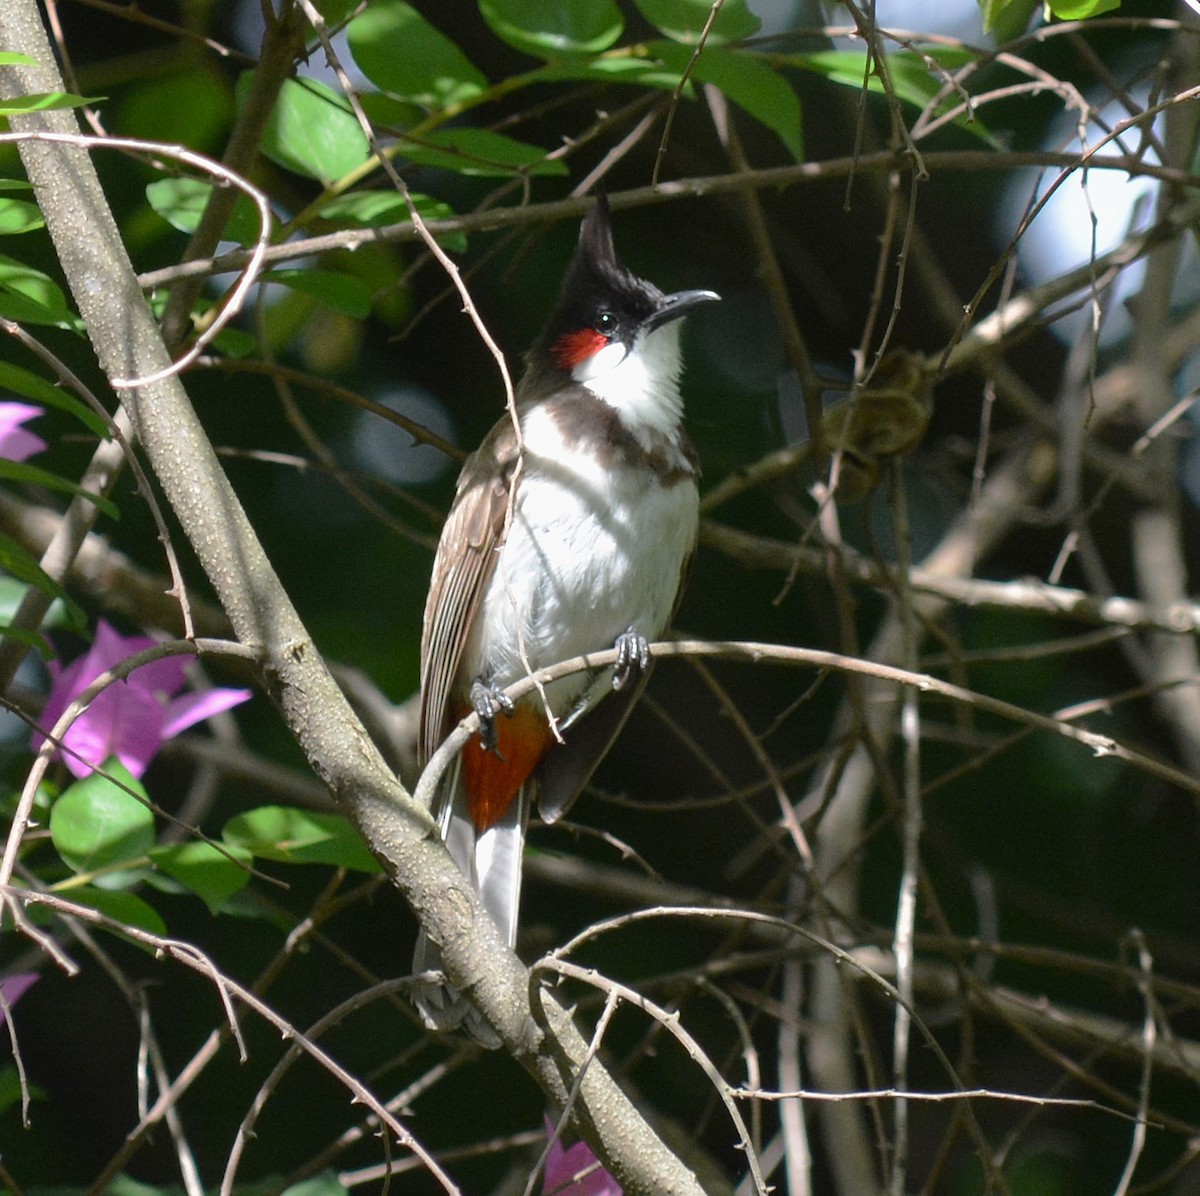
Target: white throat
(641, 384)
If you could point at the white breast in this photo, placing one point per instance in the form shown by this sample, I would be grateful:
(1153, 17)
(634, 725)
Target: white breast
(592, 551)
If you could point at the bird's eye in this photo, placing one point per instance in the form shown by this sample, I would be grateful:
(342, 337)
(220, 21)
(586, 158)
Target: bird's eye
(606, 323)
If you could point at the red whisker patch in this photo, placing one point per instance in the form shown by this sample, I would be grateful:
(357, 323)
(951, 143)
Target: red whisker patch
(573, 347)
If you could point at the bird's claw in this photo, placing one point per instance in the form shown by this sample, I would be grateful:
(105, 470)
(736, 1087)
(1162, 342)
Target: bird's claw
(488, 701)
(633, 655)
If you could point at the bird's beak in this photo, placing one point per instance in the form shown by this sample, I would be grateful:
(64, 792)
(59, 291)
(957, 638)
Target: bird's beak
(674, 306)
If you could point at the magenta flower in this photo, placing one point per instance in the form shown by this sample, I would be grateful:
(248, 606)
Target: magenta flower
(563, 1165)
(16, 442)
(133, 718)
(13, 988)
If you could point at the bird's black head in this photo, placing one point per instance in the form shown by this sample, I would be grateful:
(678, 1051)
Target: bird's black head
(603, 308)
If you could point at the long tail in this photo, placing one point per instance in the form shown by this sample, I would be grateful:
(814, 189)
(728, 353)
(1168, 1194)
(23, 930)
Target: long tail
(492, 861)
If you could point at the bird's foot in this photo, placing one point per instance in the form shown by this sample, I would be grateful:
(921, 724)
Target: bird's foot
(633, 655)
(489, 700)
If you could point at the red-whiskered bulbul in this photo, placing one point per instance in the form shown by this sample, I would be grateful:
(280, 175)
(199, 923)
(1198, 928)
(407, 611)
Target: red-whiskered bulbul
(572, 539)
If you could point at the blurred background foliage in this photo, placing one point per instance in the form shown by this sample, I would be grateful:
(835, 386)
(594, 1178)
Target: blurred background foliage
(1043, 870)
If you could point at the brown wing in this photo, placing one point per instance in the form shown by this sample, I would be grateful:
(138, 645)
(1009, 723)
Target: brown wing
(465, 559)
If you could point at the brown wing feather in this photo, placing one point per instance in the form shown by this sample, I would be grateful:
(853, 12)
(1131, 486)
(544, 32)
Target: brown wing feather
(465, 559)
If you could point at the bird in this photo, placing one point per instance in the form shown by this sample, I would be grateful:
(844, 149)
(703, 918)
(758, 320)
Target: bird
(572, 537)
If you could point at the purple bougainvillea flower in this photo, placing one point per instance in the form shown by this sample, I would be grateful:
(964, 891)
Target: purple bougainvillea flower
(13, 988)
(563, 1165)
(133, 718)
(16, 442)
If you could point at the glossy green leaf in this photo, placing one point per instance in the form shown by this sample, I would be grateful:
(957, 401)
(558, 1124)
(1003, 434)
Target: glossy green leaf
(35, 475)
(18, 380)
(19, 216)
(124, 907)
(29, 296)
(684, 20)
(748, 81)
(407, 57)
(637, 71)
(212, 875)
(100, 823)
(12, 58)
(181, 203)
(300, 837)
(343, 292)
(192, 107)
(480, 152)
(18, 563)
(388, 114)
(377, 209)
(1080, 10)
(312, 130)
(914, 80)
(45, 101)
(1007, 19)
(368, 209)
(550, 28)
(755, 87)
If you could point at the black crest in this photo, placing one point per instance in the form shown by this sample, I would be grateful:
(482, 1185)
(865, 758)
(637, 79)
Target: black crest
(597, 292)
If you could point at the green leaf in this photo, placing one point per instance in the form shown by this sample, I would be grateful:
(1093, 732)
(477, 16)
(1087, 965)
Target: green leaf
(480, 152)
(1080, 10)
(15, 561)
(236, 342)
(190, 106)
(12, 594)
(312, 130)
(23, 471)
(343, 292)
(96, 824)
(404, 55)
(300, 837)
(11, 1093)
(748, 82)
(12, 58)
(913, 79)
(621, 68)
(210, 874)
(336, 12)
(550, 28)
(377, 209)
(1007, 18)
(123, 907)
(325, 1184)
(44, 102)
(389, 114)
(19, 216)
(29, 296)
(21, 381)
(684, 20)
(31, 639)
(181, 203)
